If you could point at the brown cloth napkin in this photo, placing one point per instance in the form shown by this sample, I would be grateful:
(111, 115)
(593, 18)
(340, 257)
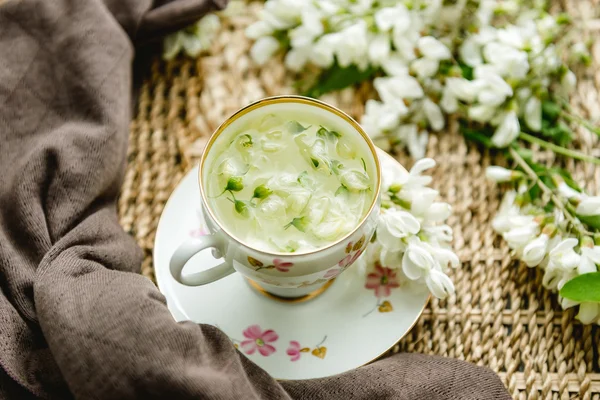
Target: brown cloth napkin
(75, 320)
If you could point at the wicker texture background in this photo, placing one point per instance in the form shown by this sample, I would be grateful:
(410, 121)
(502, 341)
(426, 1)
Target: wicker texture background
(501, 316)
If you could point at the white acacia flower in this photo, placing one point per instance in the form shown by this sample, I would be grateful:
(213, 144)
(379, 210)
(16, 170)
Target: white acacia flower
(588, 312)
(434, 115)
(507, 60)
(425, 67)
(470, 52)
(263, 49)
(394, 225)
(439, 234)
(507, 131)
(352, 45)
(311, 28)
(533, 114)
(568, 192)
(535, 251)
(589, 206)
(324, 49)
(380, 117)
(500, 174)
(449, 102)
(415, 141)
(258, 29)
(395, 65)
(482, 112)
(463, 89)
(518, 237)
(417, 261)
(438, 212)
(389, 17)
(433, 49)
(398, 88)
(424, 200)
(379, 49)
(297, 58)
(439, 284)
(282, 14)
(563, 256)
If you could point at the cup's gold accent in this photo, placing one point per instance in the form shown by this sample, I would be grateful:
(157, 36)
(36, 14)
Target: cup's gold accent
(300, 299)
(300, 100)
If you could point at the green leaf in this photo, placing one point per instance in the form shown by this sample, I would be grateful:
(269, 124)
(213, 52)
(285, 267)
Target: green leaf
(294, 127)
(244, 141)
(583, 288)
(326, 134)
(364, 164)
(300, 223)
(477, 136)
(315, 162)
(342, 191)
(467, 72)
(337, 78)
(234, 184)
(593, 221)
(566, 177)
(550, 110)
(261, 192)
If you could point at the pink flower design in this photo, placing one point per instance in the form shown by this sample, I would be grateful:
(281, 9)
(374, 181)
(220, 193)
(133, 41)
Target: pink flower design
(383, 280)
(196, 233)
(282, 266)
(332, 273)
(259, 340)
(294, 351)
(349, 259)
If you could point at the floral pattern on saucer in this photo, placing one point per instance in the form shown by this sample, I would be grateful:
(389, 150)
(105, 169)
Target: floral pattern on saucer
(382, 281)
(295, 350)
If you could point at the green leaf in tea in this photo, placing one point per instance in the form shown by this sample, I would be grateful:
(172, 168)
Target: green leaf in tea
(243, 142)
(355, 180)
(342, 191)
(364, 164)
(300, 223)
(583, 288)
(326, 134)
(294, 127)
(261, 192)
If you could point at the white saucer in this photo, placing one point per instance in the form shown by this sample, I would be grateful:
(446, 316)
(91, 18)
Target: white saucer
(341, 329)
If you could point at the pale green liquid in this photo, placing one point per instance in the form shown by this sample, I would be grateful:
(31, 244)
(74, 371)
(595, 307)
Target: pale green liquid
(313, 187)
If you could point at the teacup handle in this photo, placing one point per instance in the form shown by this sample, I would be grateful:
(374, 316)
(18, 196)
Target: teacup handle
(187, 250)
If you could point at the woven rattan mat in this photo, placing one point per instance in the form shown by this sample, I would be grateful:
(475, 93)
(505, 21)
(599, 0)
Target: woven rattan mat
(501, 316)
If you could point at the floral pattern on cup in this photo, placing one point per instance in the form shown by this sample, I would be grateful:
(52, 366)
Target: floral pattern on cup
(277, 264)
(353, 251)
(332, 273)
(198, 232)
(257, 339)
(382, 281)
(295, 350)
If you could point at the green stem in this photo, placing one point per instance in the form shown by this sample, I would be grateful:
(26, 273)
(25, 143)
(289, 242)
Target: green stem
(557, 202)
(559, 149)
(577, 119)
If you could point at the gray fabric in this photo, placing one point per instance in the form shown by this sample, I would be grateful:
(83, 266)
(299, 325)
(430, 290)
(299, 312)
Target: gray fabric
(75, 320)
